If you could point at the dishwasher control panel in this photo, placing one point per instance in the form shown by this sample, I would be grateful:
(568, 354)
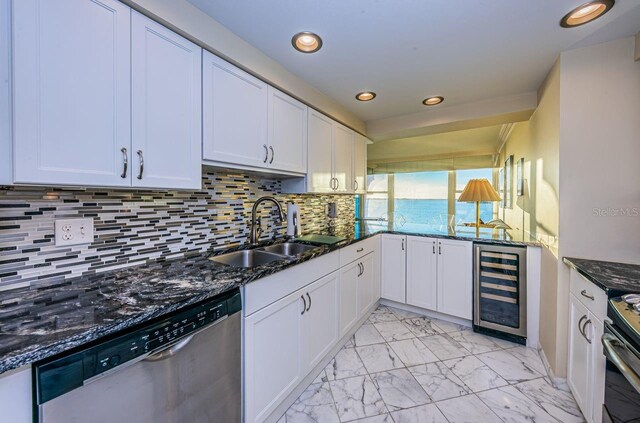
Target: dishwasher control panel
(57, 376)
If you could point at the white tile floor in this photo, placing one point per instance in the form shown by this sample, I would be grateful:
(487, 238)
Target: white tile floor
(403, 368)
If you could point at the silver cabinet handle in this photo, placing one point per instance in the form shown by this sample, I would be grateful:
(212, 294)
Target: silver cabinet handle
(584, 330)
(586, 294)
(272, 154)
(170, 351)
(304, 305)
(355, 184)
(359, 269)
(611, 346)
(583, 318)
(266, 153)
(439, 248)
(309, 297)
(359, 250)
(337, 184)
(141, 164)
(434, 247)
(402, 244)
(125, 162)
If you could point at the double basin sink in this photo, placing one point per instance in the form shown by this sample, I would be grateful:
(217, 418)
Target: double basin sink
(263, 255)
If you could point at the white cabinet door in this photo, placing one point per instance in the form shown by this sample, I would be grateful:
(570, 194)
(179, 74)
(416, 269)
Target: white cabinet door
(579, 356)
(455, 278)
(422, 276)
(16, 396)
(235, 106)
(366, 284)
(342, 140)
(360, 164)
(287, 133)
(598, 366)
(348, 298)
(71, 92)
(273, 355)
(393, 268)
(166, 107)
(320, 320)
(320, 159)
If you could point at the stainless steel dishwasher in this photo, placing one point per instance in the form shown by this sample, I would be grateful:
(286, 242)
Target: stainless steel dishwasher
(184, 368)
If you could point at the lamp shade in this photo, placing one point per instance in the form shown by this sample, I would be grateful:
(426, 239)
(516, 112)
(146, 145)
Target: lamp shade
(478, 190)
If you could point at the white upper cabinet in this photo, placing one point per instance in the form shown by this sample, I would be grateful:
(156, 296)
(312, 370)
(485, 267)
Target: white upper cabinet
(71, 92)
(342, 141)
(422, 284)
(235, 117)
(455, 278)
(287, 133)
(319, 171)
(359, 164)
(166, 107)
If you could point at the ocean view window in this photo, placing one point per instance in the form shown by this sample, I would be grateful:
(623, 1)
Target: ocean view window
(422, 198)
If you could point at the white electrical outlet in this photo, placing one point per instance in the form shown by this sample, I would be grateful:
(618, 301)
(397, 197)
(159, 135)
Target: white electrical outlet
(74, 231)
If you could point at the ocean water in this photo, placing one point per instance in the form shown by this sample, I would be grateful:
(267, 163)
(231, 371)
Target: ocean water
(428, 211)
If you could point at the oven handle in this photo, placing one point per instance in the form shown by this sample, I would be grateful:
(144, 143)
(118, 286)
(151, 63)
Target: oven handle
(611, 343)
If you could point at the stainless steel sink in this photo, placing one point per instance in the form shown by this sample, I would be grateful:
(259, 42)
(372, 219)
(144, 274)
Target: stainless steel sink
(290, 249)
(247, 258)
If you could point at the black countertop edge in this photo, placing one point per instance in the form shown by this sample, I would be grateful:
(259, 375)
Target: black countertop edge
(612, 277)
(109, 312)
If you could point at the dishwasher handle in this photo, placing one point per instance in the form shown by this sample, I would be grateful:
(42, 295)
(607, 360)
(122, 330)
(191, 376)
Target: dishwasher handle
(169, 351)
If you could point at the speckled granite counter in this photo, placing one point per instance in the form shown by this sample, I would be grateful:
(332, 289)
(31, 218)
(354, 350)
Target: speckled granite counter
(613, 278)
(60, 315)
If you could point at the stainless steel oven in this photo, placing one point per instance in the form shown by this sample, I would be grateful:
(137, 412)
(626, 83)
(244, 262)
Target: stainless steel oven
(622, 379)
(500, 291)
(183, 368)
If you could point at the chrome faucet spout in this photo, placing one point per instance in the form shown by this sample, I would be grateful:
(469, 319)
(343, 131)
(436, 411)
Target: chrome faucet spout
(255, 223)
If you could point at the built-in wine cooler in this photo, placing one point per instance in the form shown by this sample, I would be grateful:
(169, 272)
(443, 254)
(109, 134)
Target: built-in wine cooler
(500, 289)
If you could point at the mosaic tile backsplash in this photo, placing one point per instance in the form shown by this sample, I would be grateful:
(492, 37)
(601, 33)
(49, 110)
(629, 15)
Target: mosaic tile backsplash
(135, 226)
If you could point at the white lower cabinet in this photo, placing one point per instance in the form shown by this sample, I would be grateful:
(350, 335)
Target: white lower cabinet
(285, 341)
(586, 367)
(393, 267)
(15, 396)
(422, 262)
(349, 276)
(368, 288)
(455, 278)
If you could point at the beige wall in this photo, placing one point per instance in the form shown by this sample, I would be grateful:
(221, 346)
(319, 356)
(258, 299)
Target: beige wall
(599, 156)
(190, 21)
(537, 141)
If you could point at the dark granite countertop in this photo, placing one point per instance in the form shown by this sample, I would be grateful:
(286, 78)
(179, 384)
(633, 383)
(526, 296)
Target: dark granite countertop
(614, 278)
(39, 322)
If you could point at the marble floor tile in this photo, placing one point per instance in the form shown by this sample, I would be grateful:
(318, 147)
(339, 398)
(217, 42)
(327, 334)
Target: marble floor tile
(476, 375)
(446, 326)
(438, 381)
(404, 314)
(399, 389)
(421, 326)
(514, 365)
(467, 409)
(514, 407)
(357, 397)
(382, 314)
(412, 352)
(444, 347)
(427, 413)
(531, 356)
(558, 403)
(345, 364)
(322, 377)
(282, 419)
(349, 344)
(382, 418)
(475, 343)
(315, 404)
(394, 331)
(379, 357)
(367, 334)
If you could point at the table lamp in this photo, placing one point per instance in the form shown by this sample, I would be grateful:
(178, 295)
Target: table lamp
(478, 191)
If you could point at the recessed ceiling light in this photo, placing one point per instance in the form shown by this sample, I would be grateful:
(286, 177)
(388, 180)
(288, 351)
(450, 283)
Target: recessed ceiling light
(586, 13)
(366, 96)
(306, 42)
(432, 101)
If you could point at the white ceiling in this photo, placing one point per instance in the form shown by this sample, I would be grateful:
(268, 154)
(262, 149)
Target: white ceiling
(406, 50)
